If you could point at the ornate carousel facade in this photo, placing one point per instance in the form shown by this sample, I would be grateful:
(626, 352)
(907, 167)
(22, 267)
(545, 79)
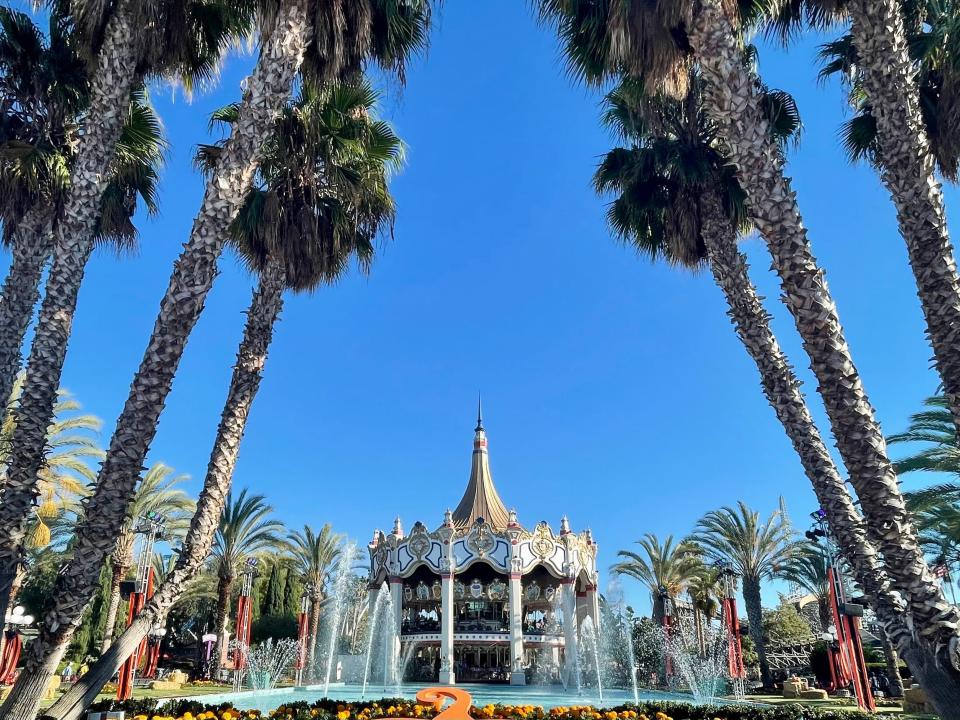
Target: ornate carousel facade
(482, 598)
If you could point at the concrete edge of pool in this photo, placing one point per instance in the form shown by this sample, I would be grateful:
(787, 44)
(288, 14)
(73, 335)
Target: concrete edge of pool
(544, 696)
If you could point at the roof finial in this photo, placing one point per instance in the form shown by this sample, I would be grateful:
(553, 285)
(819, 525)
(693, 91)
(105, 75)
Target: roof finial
(479, 413)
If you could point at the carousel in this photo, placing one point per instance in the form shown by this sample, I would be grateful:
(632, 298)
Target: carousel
(482, 598)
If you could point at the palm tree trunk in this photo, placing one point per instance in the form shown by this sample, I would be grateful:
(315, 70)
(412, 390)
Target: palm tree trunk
(111, 83)
(893, 666)
(224, 597)
(30, 249)
(122, 560)
(267, 90)
(262, 317)
(751, 600)
(782, 390)
(907, 169)
(733, 104)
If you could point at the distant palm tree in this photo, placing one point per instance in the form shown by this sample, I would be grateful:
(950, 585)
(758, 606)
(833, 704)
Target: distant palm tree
(756, 550)
(705, 598)
(314, 555)
(157, 493)
(808, 570)
(665, 568)
(246, 529)
(71, 449)
(934, 431)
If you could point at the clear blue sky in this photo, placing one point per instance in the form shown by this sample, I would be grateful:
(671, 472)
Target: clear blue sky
(614, 390)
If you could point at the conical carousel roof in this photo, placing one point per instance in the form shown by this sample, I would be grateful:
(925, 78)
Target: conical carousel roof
(480, 499)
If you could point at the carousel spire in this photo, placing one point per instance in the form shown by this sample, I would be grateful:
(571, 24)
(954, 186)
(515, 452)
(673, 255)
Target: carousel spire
(480, 499)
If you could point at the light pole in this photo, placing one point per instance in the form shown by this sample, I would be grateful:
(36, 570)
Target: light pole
(151, 526)
(244, 618)
(848, 664)
(731, 621)
(667, 622)
(303, 630)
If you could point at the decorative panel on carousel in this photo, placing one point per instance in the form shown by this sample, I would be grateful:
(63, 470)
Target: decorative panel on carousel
(416, 551)
(482, 543)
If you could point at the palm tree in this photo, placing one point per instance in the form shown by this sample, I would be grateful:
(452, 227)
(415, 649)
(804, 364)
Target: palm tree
(157, 493)
(756, 550)
(383, 30)
(934, 429)
(313, 555)
(656, 42)
(705, 598)
(886, 79)
(246, 529)
(43, 89)
(675, 198)
(71, 448)
(807, 569)
(666, 568)
(328, 168)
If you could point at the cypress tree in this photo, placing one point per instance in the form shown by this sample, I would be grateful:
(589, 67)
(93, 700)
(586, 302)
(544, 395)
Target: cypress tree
(291, 594)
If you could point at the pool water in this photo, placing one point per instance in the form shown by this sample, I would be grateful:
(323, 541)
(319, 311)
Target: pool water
(482, 694)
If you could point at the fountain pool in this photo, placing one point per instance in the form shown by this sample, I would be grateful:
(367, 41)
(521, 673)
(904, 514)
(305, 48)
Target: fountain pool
(545, 696)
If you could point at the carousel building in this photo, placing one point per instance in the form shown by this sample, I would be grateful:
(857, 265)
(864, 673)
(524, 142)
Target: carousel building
(483, 598)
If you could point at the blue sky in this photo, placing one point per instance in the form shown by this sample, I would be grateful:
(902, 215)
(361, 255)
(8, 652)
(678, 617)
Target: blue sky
(614, 390)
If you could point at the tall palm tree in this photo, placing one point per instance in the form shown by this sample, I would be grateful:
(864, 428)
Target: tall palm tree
(158, 492)
(246, 529)
(327, 167)
(657, 41)
(189, 36)
(664, 567)
(385, 31)
(886, 78)
(314, 554)
(675, 198)
(43, 90)
(756, 550)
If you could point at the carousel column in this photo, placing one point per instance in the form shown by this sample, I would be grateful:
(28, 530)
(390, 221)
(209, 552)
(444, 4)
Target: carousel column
(447, 675)
(517, 674)
(571, 645)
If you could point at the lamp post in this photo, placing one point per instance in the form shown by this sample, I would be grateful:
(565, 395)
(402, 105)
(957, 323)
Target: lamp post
(731, 622)
(848, 665)
(244, 618)
(667, 623)
(151, 526)
(303, 630)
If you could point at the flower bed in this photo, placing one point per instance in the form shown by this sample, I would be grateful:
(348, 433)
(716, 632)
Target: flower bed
(403, 708)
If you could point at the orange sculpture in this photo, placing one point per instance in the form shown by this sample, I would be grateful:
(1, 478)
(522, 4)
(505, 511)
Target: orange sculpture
(459, 709)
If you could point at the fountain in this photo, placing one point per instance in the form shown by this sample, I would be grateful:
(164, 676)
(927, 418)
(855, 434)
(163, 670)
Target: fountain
(263, 665)
(699, 657)
(616, 642)
(339, 596)
(383, 631)
(590, 644)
